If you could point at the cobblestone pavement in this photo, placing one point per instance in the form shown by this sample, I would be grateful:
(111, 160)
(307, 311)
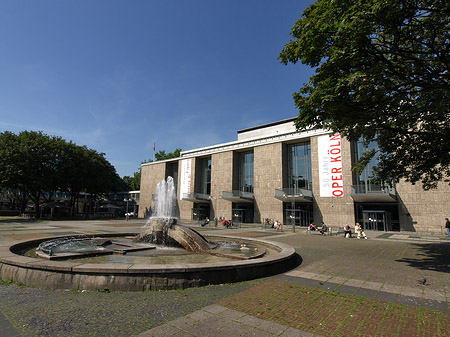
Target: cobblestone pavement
(36, 312)
(393, 284)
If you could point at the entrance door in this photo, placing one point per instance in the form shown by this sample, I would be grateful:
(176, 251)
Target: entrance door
(377, 220)
(299, 217)
(238, 216)
(242, 213)
(200, 211)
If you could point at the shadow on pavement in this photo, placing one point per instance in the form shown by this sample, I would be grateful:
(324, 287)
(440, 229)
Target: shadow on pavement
(430, 256)
(18, 220)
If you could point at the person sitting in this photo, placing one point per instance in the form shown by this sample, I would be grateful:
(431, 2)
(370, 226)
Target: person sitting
(277, 226)
(312, 226)
(323, 229)
(206, 222)
(227, 223)
(347, 231)
(359, 231)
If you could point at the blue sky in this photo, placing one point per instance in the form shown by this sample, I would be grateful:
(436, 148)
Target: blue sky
(119, 76)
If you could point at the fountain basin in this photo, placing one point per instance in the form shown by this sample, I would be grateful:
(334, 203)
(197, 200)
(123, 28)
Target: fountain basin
(53, 274)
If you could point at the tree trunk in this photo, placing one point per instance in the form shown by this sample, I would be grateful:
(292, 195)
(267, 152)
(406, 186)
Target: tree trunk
(71, 203)
(37, 209)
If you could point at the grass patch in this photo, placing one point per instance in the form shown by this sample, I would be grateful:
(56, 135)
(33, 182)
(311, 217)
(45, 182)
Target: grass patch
(6, 282)
(330, 313)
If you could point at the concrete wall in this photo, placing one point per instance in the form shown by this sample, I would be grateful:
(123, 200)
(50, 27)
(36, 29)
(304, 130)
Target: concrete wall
(221, 180)
(423, 211)
(150, 176)
(268, 176)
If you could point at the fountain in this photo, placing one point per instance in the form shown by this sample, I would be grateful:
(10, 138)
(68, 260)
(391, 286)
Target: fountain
(130, 262)
(163, 228)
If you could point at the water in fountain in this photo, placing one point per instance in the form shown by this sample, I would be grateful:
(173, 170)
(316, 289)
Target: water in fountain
(162, 228)
(50, 246)
(165, 203)
(163, 215)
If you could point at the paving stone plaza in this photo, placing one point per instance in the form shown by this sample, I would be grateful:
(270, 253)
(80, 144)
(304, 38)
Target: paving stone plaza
(394, 284)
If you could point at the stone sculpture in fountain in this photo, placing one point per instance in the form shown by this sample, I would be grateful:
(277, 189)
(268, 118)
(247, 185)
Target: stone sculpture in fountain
(162, 227)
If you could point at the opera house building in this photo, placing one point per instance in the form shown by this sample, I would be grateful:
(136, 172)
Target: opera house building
(275, 172)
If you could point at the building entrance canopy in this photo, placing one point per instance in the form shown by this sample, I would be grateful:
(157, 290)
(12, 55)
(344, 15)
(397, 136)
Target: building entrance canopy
(294, 194)
(238, 196)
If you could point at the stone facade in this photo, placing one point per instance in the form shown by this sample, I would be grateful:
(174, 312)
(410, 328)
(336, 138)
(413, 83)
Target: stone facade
(221, 180)
(410, 208)
(423, 211)
(150, 176)
(268, 175)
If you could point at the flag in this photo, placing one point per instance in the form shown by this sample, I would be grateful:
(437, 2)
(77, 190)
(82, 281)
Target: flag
(154, 146)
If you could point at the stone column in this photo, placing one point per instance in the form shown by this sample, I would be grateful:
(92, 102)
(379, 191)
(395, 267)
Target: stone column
(221, 180)
(268, 174)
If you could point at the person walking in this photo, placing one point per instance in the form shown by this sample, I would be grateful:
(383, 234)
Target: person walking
(447, 226)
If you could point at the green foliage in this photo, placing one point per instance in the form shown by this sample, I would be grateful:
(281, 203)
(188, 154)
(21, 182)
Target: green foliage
(382, 72)
(134, 183)
(36, 165)
(6, 282)
(162, 155)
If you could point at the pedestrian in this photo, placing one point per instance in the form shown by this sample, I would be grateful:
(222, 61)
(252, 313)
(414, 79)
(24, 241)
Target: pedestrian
(206, 222)
(323, 229)
(447, 226)
(312, 226)
(359, 231)
(347, 231)
(277, 225)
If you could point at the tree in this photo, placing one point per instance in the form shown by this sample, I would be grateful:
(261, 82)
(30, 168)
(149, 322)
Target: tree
(29, 163)
(134, 183)
(37, 165)
(162, 155)
(86, 170)
(382, 70)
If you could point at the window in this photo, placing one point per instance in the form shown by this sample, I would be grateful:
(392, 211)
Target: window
(367, 174)
(299, 166)
(205, 180)
(246, 171)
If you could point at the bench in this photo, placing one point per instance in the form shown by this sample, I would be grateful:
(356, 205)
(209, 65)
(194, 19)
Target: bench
(328, 230)
(340, 230)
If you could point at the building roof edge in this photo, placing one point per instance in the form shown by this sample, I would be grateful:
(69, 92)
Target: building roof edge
(267, 125)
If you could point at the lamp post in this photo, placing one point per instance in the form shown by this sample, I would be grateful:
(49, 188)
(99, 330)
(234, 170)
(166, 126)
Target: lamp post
(127, 200)
(214, 201)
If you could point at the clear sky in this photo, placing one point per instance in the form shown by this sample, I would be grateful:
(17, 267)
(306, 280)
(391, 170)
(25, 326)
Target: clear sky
(121, 75)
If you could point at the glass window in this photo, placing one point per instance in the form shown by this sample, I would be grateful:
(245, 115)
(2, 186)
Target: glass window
(246, 171)
(205, 183)
(299, 165)
(367, 174)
